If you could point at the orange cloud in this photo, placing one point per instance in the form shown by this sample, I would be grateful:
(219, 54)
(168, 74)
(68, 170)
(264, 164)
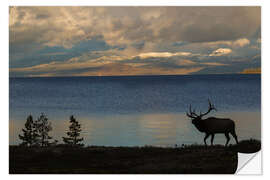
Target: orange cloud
(251, 71)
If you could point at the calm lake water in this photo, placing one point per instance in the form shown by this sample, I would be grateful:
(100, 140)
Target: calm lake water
(136, 110)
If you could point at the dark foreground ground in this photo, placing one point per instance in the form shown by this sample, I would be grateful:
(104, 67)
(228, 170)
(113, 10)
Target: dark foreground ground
(192, 159)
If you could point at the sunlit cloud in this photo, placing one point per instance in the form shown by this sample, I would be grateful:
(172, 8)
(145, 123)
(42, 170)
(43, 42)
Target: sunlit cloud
(221, 52)
(237, 43)
(241, 42)
(162, 54)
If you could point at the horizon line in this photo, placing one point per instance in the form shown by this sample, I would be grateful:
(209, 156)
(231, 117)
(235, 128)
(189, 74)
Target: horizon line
(137, 75)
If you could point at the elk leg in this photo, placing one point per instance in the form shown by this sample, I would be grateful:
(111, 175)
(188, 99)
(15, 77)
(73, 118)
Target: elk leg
(206, 136)
(235, 137)
(228, 138)
(212, 139)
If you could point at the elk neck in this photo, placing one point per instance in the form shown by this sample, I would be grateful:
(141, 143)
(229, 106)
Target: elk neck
(199, 124)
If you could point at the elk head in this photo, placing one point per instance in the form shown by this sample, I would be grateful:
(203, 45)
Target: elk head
(195, 117)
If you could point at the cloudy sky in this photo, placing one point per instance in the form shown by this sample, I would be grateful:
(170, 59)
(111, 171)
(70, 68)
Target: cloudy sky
(93, 41)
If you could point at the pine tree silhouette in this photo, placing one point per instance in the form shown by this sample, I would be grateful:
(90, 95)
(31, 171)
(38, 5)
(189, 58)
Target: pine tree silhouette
(43, 129)
(73, 133)
(29, 137)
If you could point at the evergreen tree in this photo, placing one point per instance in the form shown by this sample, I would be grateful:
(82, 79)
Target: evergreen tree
(73, 133)
(29, 137)
(43, 128)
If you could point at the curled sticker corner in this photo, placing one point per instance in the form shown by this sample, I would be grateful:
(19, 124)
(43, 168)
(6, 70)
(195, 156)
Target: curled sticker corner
(249, 163)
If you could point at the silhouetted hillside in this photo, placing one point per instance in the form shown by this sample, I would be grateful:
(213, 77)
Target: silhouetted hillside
(187, 159)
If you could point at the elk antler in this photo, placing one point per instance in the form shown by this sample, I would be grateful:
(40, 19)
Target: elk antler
(210, 108)
(191, 113)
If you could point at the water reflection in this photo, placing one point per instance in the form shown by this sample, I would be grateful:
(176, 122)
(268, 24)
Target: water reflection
(142, 129)
(163, 129)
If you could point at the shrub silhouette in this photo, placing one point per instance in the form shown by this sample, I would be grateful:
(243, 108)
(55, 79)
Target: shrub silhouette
(73, 133)
(43, 128)
(30, 134)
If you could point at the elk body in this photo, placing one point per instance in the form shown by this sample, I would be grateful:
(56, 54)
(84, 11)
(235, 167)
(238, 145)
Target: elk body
(212, 125)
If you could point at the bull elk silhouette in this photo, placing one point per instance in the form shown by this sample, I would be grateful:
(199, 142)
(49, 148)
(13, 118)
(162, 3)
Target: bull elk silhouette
(212, 125)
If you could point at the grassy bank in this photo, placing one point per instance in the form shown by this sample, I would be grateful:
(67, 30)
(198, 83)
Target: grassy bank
(192, 159)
